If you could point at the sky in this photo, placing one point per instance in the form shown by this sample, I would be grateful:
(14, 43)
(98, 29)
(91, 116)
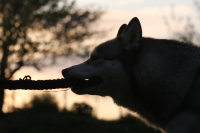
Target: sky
(117, 12)
(133, 5)
(151, 13)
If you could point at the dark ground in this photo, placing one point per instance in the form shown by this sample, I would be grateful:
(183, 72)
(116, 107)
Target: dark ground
(44, 117)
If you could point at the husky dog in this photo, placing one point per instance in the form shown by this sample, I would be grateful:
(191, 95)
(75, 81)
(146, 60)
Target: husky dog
(157, 78)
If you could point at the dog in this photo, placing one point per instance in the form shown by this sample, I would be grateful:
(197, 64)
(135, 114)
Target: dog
(159, 79)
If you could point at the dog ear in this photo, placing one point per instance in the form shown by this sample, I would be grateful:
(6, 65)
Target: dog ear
(133, 34)
(121, 30)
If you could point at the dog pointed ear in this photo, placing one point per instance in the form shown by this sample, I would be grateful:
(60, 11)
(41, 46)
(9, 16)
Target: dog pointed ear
(132, 34)
(121, 30)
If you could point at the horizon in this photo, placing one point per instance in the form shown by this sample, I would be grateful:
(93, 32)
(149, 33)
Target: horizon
(151, 15)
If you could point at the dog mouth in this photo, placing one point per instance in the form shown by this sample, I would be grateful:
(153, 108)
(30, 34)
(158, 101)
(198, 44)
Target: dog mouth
(82, 84)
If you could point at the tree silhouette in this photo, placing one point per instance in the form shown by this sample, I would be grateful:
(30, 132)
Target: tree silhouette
(188, 32)
(34, 32)
(82, 109)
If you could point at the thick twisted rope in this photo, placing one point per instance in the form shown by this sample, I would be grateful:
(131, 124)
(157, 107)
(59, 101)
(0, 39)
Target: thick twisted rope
(28, 84)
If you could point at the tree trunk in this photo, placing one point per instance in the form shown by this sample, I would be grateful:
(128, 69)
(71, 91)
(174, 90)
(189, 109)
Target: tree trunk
(1, 100)
(3, 67)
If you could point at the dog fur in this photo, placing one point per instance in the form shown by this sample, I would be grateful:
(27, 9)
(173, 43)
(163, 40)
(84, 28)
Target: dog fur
(157, 78)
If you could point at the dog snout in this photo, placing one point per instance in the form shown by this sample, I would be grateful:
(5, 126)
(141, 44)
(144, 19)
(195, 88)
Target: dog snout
(64, 72)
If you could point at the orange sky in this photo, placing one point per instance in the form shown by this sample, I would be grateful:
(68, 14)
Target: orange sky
(117, 13)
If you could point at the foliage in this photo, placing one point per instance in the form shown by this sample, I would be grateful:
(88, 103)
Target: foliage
(26, 26)
(29, 121)
(82, 109)
(44, 103)
(188, 31)
(43, 117)
(34, 32)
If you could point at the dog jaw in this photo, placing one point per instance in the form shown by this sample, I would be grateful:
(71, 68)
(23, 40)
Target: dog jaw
(108, 82)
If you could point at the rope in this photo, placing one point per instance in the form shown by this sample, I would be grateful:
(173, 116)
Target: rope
(27, 84)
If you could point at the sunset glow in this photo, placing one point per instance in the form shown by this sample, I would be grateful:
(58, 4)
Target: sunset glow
(116, 13)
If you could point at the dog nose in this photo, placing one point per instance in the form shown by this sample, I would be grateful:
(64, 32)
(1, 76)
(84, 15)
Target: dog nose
(64, 72)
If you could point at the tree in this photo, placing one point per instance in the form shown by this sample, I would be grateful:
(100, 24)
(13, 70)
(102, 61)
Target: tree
(82, 109)
(25, 25)
(188, 31)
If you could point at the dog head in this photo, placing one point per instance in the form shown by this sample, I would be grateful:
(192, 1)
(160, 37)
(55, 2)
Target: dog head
(104, 73)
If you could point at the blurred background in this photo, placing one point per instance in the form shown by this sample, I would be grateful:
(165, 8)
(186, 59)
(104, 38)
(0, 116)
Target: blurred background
(41, 37)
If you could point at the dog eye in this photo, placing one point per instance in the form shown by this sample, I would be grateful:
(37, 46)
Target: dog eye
(94, 58)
